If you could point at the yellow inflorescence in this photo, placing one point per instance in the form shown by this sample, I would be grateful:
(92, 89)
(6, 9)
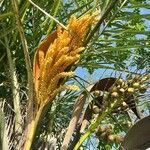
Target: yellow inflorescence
(63, 52)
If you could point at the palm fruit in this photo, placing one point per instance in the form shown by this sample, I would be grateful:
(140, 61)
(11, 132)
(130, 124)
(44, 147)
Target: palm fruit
(96, 109)
(114, 94)
(131, 90)
(136, 85)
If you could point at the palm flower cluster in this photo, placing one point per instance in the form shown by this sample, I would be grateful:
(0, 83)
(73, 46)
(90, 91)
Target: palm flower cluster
(52, 62)
(63, 51)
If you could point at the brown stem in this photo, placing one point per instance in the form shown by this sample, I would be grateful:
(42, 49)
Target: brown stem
(74, 120)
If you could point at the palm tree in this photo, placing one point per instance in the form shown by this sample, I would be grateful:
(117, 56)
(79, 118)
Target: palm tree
(56, 38)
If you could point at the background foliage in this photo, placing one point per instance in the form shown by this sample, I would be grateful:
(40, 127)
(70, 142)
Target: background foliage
(120, 46)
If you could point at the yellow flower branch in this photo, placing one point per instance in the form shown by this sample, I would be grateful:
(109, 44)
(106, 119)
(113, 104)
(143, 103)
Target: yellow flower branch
(54, 55)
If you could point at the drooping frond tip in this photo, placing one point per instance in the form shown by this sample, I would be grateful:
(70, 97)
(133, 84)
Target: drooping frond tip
(58, 51)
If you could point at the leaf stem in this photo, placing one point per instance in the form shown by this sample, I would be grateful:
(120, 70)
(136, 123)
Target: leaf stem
(31, 130)
(48, 15)
(14, 87)
(55, 11)
(27, 60)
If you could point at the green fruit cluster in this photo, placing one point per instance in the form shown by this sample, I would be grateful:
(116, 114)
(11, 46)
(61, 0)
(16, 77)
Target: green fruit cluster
(120, 89)
(106, 133)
